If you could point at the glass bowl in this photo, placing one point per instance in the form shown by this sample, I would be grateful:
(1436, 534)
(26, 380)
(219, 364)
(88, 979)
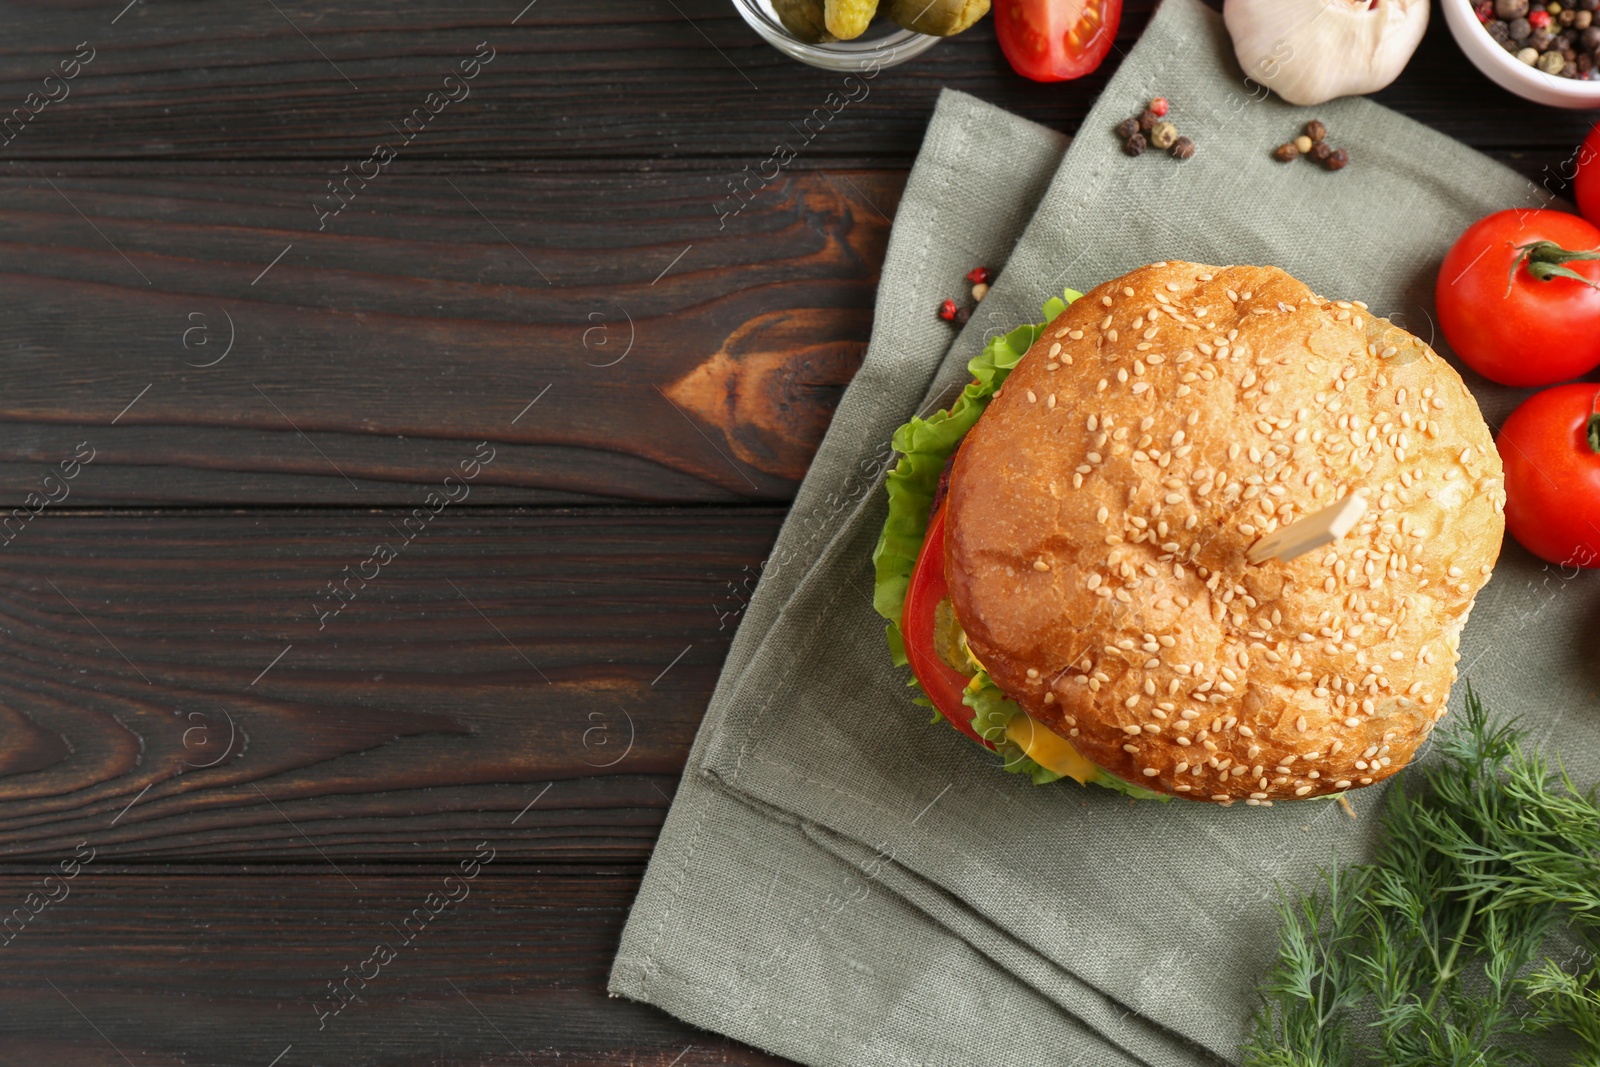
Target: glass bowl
(883, 43)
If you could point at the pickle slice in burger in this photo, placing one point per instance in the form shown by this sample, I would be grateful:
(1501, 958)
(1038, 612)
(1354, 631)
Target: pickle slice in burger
(1088, 572)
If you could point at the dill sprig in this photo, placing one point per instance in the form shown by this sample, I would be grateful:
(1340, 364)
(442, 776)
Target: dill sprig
(1437, 953)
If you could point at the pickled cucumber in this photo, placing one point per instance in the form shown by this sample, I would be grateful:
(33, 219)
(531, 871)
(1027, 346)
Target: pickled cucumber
(805, 19)
(940, 18)
(847, 19)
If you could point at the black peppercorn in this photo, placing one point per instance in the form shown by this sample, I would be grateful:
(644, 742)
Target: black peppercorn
(1591, 39)
(1589, 5)
(1286, 152)
(1134, 145)
(1510, 9)
(1336, 159)
(1182, 148)
(1321, 151)
(1567, 16)
(1127, 128)
(1498, 31)
(1316, 130)
(1519, 29)
(962, 315)
(1540, 40)
(1148, 120)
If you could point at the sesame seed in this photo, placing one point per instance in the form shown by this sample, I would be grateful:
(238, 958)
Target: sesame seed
(1055, 350)
(1040, 565)
(1258, 796)
(1150, 772)
(1106, 300)
(1352, 722)
(1127, 290)
(1130, 748)
(1302, 791)
(1076, 335)
(1300, 724)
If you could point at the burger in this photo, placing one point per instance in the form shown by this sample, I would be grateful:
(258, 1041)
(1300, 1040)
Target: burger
(1071, 560)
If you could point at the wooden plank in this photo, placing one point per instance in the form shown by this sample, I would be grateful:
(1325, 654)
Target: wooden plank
(189, 965)
(602, 80)
(673, 358)
(194, 685)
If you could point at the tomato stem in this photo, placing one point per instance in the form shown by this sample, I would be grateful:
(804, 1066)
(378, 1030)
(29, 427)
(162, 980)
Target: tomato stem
(1545, 260)
(1594, 425)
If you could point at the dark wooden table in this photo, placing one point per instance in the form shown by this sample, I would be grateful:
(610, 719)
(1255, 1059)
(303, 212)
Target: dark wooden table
(240, 743)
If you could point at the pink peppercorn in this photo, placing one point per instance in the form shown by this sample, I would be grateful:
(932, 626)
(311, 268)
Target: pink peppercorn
(1159, 106)
(947, 310)
(979, 276)
(1539, 19)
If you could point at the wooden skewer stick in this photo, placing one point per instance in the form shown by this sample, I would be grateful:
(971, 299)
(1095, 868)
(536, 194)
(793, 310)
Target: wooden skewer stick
(1315, 530)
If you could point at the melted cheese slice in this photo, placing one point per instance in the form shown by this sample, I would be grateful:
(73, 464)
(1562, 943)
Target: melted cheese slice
(1049, 749)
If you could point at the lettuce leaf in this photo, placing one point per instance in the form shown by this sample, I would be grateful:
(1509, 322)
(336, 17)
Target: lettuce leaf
(925, 445)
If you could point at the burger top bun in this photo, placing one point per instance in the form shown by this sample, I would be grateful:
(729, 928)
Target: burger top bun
(1101, 510)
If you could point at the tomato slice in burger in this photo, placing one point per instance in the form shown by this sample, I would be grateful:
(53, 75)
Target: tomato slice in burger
(1056, 40)
(918, 622)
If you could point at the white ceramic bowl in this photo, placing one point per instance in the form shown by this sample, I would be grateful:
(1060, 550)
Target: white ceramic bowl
(1508, 72)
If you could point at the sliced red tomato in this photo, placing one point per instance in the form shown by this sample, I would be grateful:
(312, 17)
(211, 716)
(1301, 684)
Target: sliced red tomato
(1056, 40)
(942, 682)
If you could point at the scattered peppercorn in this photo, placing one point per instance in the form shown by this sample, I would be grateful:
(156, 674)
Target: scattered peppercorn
(1150, 129)
(1539, 19)
(962, 316)
(1321, 152)
(1485, 11)
(1303, 144)
(947, 310)
(1337, 159)
(979, 276)
(1316, 130)
(1286, 153)
(980, 291)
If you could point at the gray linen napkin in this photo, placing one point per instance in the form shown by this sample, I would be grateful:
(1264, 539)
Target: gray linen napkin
(842, 883)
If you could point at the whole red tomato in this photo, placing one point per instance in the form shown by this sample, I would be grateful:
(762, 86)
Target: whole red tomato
(1550, 447)
(1056, 40)
(1586, 181)
(1516, 304)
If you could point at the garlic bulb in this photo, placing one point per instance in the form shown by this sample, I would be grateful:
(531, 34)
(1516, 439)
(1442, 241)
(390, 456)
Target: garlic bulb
(1310, 51)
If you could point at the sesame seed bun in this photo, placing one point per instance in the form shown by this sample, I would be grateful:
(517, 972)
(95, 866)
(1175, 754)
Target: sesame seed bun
(1101, 509)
